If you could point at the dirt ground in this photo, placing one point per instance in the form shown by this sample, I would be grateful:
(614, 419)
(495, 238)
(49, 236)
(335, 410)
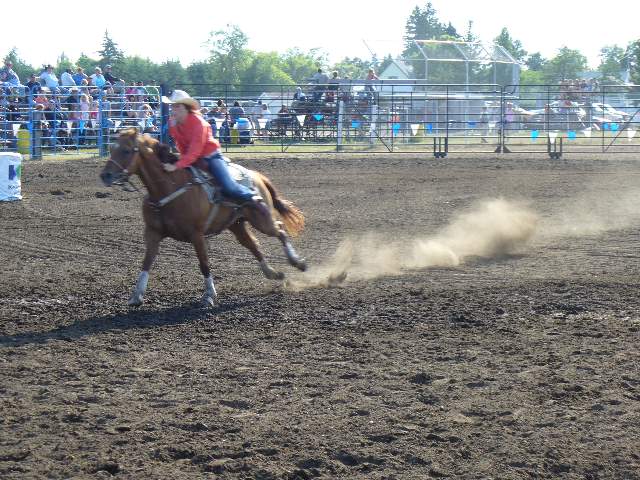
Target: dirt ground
(519, 363)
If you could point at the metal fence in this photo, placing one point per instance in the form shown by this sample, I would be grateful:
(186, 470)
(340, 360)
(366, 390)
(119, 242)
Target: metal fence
(77, 120)
(345, 116)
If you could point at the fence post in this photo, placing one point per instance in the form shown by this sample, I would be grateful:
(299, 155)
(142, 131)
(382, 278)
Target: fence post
(164, 115)
(339, 130)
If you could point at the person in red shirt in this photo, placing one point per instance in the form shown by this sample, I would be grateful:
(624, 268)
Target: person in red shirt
(194, 139)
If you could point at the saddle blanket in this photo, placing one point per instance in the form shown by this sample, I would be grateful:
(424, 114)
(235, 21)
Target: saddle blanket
(239, 174)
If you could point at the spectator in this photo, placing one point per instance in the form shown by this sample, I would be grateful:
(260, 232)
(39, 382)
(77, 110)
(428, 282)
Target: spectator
(40, 124)
(371, 77)
(108, 76)
(48, 77)
(266, 115)
(332, 89)
(299, 95)
(74, 97)
(97, 79)
(222, 108)
(41, 97)
(79, 76)
(66, 79)
(320, 79)
(236, 112)
(33, 84)
(146, 119)
(141, 91)
(8, 76)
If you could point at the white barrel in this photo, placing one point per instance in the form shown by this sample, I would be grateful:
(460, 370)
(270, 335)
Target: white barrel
(10, 173)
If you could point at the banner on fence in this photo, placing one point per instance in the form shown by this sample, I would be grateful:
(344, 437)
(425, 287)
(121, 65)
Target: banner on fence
(10, 173)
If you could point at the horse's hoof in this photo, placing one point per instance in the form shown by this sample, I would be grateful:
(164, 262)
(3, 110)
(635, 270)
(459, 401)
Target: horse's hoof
(301, 265)
(274, 275)
(208, 302)
(135, 301)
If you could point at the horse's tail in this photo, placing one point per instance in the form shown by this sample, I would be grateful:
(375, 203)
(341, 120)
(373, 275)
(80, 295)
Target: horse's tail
(292, 216)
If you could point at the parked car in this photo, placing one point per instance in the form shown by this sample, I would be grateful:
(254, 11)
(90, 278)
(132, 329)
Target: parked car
(558, 115)
(608, 113)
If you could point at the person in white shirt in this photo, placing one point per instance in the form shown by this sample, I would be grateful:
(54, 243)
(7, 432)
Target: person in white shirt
(49, 79)
(66, 79)
(265, 114)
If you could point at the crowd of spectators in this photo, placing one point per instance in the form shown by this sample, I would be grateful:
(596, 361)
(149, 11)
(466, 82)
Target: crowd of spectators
(577, 90)
(68, 110)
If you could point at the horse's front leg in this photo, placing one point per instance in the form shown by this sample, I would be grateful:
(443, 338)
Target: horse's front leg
(210, 295)
(152, 242)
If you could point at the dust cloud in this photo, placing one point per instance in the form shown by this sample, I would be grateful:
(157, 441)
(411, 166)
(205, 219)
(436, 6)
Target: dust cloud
(591, 213)
(490, 229)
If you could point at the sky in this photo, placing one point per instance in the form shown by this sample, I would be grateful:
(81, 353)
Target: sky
(338, 28)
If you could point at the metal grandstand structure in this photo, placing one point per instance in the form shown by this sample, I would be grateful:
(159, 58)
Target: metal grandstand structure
(456, 62)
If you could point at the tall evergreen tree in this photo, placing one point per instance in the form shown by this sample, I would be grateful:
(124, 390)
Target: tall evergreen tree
(514, 47)
(110, 52)
(422, 24)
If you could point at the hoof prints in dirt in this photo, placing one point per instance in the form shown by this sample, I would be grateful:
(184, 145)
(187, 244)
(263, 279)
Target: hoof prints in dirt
(519, 367)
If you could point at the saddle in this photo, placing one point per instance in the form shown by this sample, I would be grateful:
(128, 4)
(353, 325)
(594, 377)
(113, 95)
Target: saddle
(212, 188)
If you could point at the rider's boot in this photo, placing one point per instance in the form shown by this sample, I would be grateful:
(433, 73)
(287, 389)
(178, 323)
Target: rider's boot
(258, 203)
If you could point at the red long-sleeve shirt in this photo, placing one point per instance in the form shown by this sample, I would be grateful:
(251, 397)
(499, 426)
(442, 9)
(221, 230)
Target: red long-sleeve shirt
(194, 139)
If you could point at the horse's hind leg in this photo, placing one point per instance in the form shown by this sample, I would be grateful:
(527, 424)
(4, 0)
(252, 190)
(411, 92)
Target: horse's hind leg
(263, 221)
(152, 243)
(293, 257)
(200, 246)
(246, 239)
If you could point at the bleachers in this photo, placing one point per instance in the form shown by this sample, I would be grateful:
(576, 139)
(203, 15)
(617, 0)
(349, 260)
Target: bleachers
(76, 120)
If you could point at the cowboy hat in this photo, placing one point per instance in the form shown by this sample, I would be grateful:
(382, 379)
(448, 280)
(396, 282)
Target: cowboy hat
(180, 96)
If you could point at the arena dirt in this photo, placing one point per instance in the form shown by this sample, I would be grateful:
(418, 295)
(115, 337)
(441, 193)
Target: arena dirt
(463, 318)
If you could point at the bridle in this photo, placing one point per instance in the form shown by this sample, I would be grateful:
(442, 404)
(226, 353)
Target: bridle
(123, 179)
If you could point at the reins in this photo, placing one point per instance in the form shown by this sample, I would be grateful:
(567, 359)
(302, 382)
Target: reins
(126, 180)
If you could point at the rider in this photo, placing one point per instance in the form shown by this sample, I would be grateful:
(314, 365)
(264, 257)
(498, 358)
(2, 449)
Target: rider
(193, 137)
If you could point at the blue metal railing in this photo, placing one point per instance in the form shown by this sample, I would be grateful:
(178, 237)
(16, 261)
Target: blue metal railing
(349, 116)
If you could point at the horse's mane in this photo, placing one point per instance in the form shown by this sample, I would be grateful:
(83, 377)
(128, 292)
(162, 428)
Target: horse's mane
(161, 150)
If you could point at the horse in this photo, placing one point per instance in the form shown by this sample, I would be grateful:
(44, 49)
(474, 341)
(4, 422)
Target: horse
(178, 207)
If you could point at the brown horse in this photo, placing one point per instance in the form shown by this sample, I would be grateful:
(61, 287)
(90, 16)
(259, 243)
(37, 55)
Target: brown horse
(179, 208)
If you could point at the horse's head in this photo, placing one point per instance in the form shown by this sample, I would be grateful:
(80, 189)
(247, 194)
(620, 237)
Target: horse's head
(124, 159)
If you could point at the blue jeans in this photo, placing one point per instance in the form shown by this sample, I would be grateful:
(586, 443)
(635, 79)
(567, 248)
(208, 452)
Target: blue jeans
(230, 188)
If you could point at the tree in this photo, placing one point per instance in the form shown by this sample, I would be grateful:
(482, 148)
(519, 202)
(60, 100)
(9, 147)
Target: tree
(469, 36)
(531, 77)
(134, 69)
(611, 61)
(300, 66)
(514, 47)
(422, 24)
(265, 68)
(229, 56)
(64, 62)
(535, 62)
(87, 63)
(110, 53)
(171, 73)
(633, 57)
(451, 31)
(22, 69)
(568, 64)
(353, 68)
